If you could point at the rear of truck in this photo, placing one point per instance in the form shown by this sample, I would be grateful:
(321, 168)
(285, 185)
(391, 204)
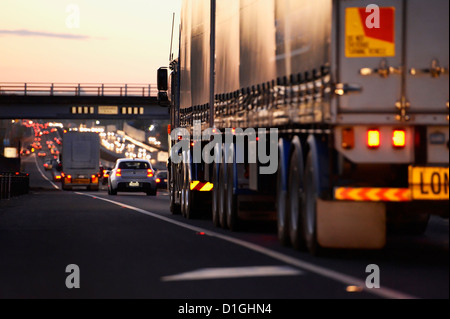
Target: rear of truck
(392, 107)
(81, 160)
(358, 92)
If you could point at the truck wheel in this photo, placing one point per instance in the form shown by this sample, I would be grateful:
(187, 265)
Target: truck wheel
(183, 193)
(282, 214)
(216, 197)
(231, 201)
(188, 203)
(295, 203)
(175, 208)
(309, 211)
(222, 196)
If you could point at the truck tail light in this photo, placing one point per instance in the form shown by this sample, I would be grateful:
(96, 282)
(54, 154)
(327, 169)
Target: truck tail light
(94, 179)
(119, 173)
(399, 138)
(373, 139)
(348, 138)
(149, 173)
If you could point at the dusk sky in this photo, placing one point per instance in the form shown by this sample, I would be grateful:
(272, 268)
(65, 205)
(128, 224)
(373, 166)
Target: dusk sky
(85, 41)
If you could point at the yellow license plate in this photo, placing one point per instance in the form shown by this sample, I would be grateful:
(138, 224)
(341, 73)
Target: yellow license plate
(429, 183)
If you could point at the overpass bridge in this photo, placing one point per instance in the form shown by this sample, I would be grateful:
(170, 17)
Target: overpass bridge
(80, 101)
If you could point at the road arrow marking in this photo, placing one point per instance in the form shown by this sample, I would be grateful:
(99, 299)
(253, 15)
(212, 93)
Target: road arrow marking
(238, 272)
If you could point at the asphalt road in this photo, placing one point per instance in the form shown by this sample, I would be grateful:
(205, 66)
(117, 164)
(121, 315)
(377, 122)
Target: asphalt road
(129, 246)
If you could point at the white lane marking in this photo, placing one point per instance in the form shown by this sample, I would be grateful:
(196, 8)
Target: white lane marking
(235, 272)
(43, 175)
(318, 270)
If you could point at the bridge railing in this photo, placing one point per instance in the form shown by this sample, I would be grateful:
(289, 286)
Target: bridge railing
(78, 89)
(13, 184)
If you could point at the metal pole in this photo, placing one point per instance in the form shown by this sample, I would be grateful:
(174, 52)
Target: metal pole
(212, 64)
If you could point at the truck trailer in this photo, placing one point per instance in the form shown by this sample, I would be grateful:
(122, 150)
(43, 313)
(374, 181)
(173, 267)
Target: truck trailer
(356, 93)
(81, 160)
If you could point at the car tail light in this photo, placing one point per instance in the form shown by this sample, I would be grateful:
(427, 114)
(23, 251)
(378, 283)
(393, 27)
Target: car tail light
(119, 173)
(399, 138)
(158, 180)
(149, 173)
(58, 177)
(373, 139)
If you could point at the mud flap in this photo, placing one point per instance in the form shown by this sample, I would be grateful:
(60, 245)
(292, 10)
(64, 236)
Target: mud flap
(351, 225)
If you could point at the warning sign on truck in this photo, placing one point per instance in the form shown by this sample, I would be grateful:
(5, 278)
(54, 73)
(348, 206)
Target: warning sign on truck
(370, 32)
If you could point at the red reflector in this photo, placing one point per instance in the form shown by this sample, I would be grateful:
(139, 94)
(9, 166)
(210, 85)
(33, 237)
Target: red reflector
(373, 139)
(399, 138)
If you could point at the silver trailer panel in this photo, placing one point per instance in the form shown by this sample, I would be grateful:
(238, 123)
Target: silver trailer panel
(303, 35)
(427, 47)
(257, 42)
(227, 46)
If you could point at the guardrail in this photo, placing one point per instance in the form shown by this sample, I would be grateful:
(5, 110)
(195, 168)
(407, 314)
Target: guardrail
(13, 184)
(78, 89)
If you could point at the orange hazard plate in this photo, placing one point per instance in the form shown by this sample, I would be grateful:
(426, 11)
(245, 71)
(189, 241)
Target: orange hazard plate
(429, 183)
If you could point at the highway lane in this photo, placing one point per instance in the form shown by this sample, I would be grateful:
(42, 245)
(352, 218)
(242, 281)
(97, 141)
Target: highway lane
(129, 246)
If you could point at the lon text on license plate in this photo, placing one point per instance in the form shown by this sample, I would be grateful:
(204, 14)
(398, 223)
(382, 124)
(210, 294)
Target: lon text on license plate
(429, 183)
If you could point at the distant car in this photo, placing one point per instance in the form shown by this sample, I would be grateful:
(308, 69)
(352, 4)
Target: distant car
(42, 154)
(48, 165)
(25, 152)
(132, 176)
(105, 175)
(161, 180)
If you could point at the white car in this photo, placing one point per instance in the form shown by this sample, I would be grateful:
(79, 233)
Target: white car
(132, 176)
